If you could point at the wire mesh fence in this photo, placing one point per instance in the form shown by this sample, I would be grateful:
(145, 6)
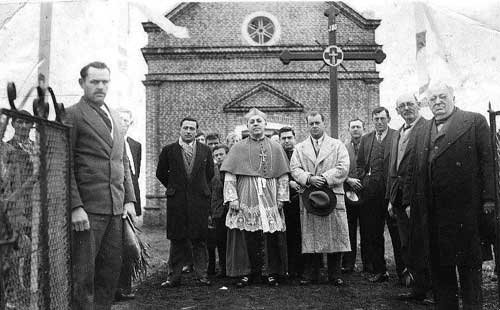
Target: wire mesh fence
(495, 141)
(35, 262)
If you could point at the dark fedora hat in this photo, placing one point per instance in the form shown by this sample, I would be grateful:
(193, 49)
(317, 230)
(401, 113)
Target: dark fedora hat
(352, 197)
(319, 201)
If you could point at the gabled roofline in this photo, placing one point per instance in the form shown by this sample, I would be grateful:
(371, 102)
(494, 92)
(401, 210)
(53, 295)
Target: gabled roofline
(359, 19)
(234, 105)
(172, 14)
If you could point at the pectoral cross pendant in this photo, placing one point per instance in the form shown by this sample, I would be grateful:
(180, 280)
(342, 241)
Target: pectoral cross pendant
(263, 157)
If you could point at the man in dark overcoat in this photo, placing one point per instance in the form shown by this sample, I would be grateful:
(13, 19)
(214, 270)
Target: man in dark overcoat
(185, 168)
(451, 185)
(403, 142)
(372, 166)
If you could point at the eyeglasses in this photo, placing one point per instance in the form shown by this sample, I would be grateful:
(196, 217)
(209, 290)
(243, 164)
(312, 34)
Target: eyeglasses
(408, 104)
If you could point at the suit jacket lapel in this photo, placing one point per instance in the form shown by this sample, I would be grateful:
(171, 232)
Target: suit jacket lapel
(411, 137)
(388, 142)
(369, 146)
(394, 153)
(325, 149)
(455, 128)
(197, 158)
(308, 150)
(96, 123)
(179, 158)
(118, 135)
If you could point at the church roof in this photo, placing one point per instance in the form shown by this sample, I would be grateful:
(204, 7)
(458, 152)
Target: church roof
(265, 98)
(341, 6)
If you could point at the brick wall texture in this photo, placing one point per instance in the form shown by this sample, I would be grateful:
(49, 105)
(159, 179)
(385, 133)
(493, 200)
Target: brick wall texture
(198, 76)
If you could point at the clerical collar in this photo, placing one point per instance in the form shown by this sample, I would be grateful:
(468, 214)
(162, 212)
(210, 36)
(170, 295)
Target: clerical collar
(257, 139)
(182, 143)
(443, 120)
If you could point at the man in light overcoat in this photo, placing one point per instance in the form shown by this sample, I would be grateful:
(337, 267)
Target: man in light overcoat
(320, 161)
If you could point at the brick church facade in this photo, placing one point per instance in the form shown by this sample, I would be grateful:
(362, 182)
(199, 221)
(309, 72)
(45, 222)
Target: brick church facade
(231, 63)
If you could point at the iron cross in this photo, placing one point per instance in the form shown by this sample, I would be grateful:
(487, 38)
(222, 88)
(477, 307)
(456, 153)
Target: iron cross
(286, 57)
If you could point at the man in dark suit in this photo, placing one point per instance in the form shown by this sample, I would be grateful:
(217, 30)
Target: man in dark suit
(372, 165)
(292, 212)
(186, 168)
(133, 151)
(451, 186)
(218, 211)
(403, 142)
(353, 188)
(101, 192)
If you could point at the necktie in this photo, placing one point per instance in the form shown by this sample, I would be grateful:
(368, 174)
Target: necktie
(188, 149)
(379, 137)
(316, 146)
(103, 115)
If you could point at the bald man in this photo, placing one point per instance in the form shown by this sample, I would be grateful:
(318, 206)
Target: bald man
(451, 186)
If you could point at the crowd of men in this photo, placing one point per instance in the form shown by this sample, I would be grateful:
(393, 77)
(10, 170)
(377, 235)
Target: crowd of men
(276, 209)
(269, 210)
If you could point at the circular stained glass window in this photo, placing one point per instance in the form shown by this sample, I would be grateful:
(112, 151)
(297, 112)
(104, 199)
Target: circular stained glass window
(261, 28)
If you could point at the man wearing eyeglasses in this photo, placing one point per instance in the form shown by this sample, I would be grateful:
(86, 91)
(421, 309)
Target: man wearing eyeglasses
(403, 141)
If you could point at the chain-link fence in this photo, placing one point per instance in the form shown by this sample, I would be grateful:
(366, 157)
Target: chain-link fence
(495, 141)
(35, 262)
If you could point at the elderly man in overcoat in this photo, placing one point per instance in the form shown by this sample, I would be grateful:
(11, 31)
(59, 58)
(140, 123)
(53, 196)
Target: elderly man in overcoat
(451, 185)
(185, 168)
(320, 161)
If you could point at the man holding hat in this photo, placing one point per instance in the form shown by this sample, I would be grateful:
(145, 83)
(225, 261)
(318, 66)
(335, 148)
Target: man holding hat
(256, 187)
(353, 200)
(320, 164)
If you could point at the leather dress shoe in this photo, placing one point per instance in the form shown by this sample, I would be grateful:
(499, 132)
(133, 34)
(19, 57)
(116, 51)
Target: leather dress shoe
(347, 270)
(411, 296)
(187, 269)
(379, 277)
(337, 282)
(171, 284)
(243, 282)
(119, 296)
(204, 282)
(429, 301)
(272, 281)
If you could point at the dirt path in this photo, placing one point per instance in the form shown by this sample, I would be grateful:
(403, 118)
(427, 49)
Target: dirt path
(359, 294)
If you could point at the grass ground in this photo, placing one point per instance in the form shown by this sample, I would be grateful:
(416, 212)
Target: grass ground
(359, 294)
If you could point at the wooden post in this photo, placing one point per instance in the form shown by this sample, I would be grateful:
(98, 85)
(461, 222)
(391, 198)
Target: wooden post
(44, 40)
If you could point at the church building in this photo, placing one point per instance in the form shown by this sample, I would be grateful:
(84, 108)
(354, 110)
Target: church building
(231, 63)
